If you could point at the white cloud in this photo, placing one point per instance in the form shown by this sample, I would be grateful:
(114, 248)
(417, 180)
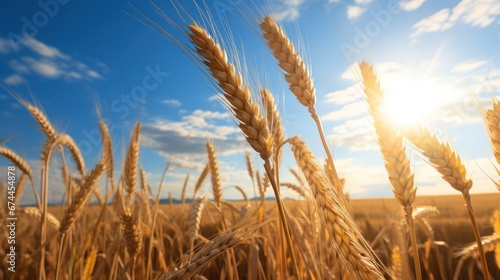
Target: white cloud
(13, 80)
(43, 49)
(354, 12)
(5, 46)
(355, 134)
(363, 2)
(480, 13)
(183, 141)
(469, 66)
(288, 10)
(410, 5)
(171, 102)
(345, 96)
(48, 62)
(348, 111)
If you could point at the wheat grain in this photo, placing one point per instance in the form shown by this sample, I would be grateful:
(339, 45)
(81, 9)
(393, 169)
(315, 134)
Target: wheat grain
(274, 123)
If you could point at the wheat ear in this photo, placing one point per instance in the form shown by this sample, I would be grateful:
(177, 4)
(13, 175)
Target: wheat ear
(273, 117)
(214, 174)
(66, 140)
(132, 160)
(195, 218)
(16, 159)
(236, 95)
(394, 153)
(298, 78)
(80, 198)
(131, 224)
(357, 258)
(42, 120)
(107, 149)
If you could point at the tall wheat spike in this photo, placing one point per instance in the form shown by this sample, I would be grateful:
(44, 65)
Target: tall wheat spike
(298, 77)
(273, 119)
(236, 95)
(132, 160)
(184, 188)
(107, 149)
(492, 120)
(357, 258)
(214, 174)
(394, 153)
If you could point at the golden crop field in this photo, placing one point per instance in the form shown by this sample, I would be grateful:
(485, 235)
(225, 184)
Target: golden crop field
(126, 233)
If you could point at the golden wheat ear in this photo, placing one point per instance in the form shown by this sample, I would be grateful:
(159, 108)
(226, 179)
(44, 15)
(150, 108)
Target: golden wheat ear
(237, 96)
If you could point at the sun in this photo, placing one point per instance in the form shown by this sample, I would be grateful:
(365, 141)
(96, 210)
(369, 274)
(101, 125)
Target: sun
(411, 100)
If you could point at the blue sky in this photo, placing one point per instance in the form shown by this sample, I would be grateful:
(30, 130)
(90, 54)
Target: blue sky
(436, 60)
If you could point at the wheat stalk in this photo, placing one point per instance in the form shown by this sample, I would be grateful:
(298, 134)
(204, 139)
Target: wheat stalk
(201, 179)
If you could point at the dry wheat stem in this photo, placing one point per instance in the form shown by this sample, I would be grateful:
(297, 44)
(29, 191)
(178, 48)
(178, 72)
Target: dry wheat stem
(236, 95)
(357, 258)
(132, 160)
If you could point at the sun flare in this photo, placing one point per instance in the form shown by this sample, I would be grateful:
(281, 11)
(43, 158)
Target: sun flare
(412, 100)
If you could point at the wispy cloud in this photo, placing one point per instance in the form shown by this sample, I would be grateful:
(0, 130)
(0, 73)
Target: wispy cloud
(479, 13)
(288, 10)
(171, 102)
(40, 59)
(410, 5)
(466, 67)
(13, 80)
(354, 12)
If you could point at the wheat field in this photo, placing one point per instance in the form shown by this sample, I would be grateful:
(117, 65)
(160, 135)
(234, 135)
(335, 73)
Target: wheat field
(127, 233)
